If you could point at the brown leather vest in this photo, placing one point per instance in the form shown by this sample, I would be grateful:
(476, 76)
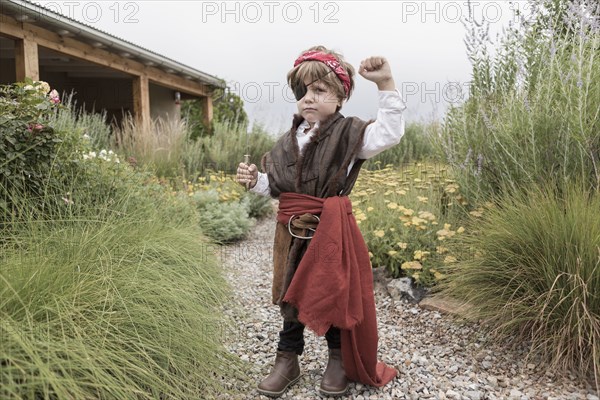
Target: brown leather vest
(321, 171)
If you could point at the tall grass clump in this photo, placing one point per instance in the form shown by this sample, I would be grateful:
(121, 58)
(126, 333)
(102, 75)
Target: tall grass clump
(533, 108)
(225, 148)
(158, 144)
(116, 299)
(168, 147)
(75, 121)
(415, 146)
(530, 269)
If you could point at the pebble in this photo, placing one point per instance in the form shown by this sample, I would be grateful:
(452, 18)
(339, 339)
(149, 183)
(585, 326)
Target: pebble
(437, 356)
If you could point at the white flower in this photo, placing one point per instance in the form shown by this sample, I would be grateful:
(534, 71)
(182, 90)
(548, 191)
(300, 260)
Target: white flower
(44, 87)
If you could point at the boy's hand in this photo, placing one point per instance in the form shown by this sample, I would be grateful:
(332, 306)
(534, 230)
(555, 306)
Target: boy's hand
(247, 174)
(377, 69)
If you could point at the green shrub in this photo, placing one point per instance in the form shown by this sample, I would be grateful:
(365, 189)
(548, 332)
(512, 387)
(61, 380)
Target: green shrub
(532, 113)
(225, 222)
(28, 145)
(531, 269)
(258, 206)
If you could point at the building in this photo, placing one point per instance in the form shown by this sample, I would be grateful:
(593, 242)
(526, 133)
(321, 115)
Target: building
(104, 71)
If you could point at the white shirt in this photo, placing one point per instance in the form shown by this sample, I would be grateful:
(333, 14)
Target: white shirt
(385, 132)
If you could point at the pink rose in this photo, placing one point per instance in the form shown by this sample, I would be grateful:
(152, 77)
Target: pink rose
(54, 97)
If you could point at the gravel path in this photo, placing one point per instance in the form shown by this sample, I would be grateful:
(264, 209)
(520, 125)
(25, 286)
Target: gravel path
(437, 356)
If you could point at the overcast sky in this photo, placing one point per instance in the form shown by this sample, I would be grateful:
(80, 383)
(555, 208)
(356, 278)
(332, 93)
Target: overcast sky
(253, 44)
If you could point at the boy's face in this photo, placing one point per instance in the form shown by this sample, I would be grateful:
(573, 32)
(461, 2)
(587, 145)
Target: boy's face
(318, 103)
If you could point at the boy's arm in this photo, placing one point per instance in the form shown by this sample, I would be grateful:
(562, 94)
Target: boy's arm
(388, 128)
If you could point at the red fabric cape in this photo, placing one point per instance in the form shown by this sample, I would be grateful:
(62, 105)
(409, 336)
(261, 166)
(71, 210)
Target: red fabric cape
(333, 284)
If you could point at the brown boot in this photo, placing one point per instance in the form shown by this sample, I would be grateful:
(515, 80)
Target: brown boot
(284, 374)
(334, 381)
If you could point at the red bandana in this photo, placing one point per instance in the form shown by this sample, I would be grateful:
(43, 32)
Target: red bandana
(331, 62)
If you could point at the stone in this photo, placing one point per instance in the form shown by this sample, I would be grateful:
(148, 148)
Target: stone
(515, 394)
(474, 395)
(451, 394)
(404, 288)
(381, 277)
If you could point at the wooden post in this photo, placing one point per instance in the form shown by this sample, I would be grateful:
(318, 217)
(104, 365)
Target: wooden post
(141, 100)
(207, 110)
(26, 60)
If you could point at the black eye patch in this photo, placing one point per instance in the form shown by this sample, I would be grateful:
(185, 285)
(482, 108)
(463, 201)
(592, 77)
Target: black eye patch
(301, 89)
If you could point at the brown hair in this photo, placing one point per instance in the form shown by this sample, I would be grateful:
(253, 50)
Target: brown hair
(316, 70)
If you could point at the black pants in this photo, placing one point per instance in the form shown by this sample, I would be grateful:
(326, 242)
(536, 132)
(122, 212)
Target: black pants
(291, 338)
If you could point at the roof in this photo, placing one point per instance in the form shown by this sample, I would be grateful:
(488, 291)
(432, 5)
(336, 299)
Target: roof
(27, 11)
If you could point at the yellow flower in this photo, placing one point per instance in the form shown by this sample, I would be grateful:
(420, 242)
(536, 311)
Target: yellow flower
(460, 230)
(426, 215)
(422, 199)
(411, 265)
(476, 214)
(441, 249)
(360, 217)
(444, 233)
(438, 275)
(370, 208)
(392, 206)
(420, 255)
(417, 221)
(392, 252)
(379, 234)
(370, 255)
(449, 260)
(451, 188)
(402, 245)
(401, 192)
